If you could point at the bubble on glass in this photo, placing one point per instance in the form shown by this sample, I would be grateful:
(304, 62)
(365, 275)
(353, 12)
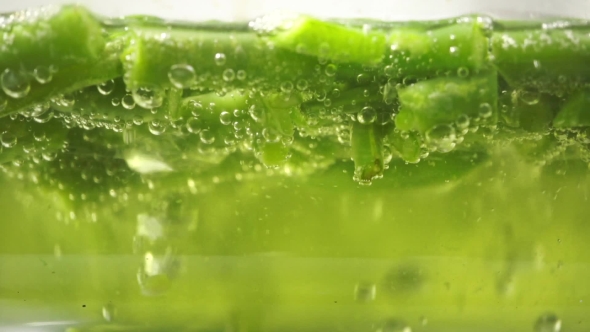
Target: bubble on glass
(225, 118)
(485, 110)
(128, 102)
(365, 292)
(156, 127)
(148, 98)
(302, 85)
(182, 76)
(548, 322)
(229, 75)
(8, 140)
(106, 87)
(462, 72)
(115, 101)
(15, 83)
(241, 75)
(367, 115)
(442, 138)
(42, 74)
(207, 136)
(220, 59)
(330, 70)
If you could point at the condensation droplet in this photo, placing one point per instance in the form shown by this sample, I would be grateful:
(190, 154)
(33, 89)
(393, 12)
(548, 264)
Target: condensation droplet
(182, 76)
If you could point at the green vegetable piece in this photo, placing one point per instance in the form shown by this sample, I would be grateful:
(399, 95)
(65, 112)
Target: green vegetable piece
(72, 78)
(273, 154)
(159, 58)
(366, 141)
(548, 60)
(310, 36)
(441, 101)
(63, 36)
(575, 113)
(456, 49)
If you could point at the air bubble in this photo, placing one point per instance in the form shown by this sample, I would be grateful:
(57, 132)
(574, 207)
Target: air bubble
(229, 75)
(8, 140)
(241, 75)
(548, 323)
(15, 83)
(462, 72)
(256, 113)
(442, 138)
(270, 135)
(485, 110)
(105, 88)
(287, 86)
(115, 102)
(225, 118)
(220, 59)
(207, 136)
(43, 74)
(148, 98)
(182, 76)
(128, 102)
(367, 115)
(302, 85)
(156, 127)
(331, 70)
(462, 121)
(529, 97)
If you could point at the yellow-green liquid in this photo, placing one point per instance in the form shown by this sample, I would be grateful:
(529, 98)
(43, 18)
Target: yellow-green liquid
(503, 248)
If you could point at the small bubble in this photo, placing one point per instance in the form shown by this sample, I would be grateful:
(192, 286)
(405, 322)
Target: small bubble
(44, 117)
(39, 136)
(529, 97)
(225, 118)
(485, 110)
(137, 120)
(331, 70)
(462, 121)
(462, 72)
(148, 98)
(42, 74)
(128, 102)
(182, 76)
(302, 85)
(193, 125)
(241, 75)
(49, 156)
(367, 115)
(195, 107)
(229, 75)
(270, 135)
(156, 127)
(454, 50)
(220, 59)
(67, 100)
(115, 101)
(389, 70)
(15, 83)
(109, 312)
(287, 86)
(256, 113)
(548, 323)
(442, 137)
(365, 292)
(537, 64)
(8, 140)
(409, 80)
(207, 136)
(105, 88)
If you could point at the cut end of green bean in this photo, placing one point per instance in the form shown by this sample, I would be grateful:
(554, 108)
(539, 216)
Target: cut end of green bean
(310, 36)
(366, 141)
